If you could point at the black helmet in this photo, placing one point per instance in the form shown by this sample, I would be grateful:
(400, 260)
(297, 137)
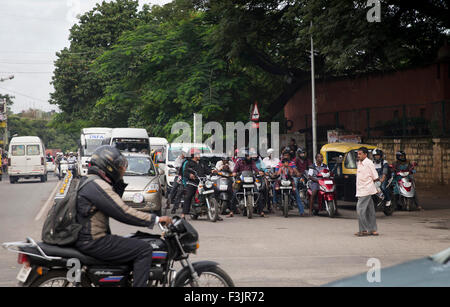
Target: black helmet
(401, 156)
(377, 152)
(109, 159)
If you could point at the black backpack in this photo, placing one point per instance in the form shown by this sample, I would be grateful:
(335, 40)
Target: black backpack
(60, 226)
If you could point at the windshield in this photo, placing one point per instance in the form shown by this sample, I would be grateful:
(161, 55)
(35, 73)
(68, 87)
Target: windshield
(93, 141)
(132, 145)
(140, 166)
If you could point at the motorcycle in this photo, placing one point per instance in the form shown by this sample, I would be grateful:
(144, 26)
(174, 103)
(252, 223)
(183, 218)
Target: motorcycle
(326, 195)
(380, 202)
(287, 196)
(63, 169)
(72, 167)
(246, 194)
(303, 188)
(205, 202)
(53, 266)
(406, 189)
(222, 189)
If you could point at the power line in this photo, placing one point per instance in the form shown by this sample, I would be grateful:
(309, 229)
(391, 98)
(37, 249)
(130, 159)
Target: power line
(24, 95)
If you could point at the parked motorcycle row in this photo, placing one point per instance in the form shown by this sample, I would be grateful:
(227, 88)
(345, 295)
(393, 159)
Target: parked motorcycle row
(215, 194)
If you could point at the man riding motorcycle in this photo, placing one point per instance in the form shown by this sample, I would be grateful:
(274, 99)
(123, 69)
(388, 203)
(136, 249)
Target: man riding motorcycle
(314, 170)
(302, 162)
(246, 164)
(382, 168)
(101, 199)
(72, 160)
(192, 169)
(287, 156)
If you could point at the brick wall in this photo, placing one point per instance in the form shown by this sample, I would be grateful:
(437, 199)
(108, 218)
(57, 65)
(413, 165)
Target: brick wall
(432, 156)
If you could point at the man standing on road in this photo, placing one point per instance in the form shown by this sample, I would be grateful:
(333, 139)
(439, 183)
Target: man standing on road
(366, 177)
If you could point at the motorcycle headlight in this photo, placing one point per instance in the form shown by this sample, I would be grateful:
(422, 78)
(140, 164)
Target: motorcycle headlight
(208, 184)
(285, 183)
(152, 188)
(248, 179)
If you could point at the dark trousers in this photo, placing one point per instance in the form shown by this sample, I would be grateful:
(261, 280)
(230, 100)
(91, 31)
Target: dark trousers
(176, 193)
(121, 250)
(188, 196)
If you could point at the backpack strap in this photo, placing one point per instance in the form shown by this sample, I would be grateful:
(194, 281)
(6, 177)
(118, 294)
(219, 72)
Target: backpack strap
(90, 179)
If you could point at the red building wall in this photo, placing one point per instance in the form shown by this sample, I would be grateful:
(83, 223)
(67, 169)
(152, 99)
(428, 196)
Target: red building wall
(383, 93)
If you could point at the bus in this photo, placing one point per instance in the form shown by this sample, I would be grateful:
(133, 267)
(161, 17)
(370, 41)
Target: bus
(90, 140)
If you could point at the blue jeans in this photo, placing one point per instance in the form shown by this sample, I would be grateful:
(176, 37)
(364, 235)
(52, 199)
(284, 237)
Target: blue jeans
(384, 189)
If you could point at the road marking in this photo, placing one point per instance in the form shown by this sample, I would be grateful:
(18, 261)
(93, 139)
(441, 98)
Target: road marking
(47, 203)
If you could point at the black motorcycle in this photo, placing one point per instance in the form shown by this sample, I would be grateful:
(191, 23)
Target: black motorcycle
(222, 185)
(52, 266)
(248, 194)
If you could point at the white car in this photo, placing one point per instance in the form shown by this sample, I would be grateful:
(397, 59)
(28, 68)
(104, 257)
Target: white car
(50, 163)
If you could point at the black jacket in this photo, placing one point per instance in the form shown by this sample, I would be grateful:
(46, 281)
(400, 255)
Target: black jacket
(199, 169)
(97, 202)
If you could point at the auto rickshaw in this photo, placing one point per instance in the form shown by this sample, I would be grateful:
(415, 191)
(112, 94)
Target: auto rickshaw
(342, 158)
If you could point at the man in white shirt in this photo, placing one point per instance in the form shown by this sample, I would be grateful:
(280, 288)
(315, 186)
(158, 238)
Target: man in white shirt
(270, 161)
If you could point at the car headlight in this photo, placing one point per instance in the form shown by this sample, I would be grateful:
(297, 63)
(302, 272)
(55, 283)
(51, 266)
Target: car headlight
(138, 198)
(152, 188)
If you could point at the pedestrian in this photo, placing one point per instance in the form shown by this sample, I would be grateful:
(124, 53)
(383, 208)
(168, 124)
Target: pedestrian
(366, 177)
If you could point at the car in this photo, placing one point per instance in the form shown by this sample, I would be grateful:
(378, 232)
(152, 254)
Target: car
(50, 163)
(143, 191)
(432, 271)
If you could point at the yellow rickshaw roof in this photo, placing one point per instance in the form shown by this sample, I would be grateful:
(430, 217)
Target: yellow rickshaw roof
(345, 147)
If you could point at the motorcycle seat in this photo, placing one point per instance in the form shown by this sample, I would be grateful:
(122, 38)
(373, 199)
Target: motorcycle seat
(67, 253)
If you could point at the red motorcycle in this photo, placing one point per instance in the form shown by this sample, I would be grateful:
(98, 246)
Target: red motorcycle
(326, 195)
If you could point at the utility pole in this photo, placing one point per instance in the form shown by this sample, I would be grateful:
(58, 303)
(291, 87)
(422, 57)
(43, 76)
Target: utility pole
(313, 95)
(4, 116)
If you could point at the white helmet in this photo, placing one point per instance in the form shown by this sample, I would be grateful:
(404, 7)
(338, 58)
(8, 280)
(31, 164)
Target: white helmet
(270, 151)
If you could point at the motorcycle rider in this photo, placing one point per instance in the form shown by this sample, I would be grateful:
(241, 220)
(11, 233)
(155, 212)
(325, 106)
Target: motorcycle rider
(287, 155)
(72, 160)
(302, 162)
(246, 164)
(177, 188)
(403, 164)
(101, 199)
(225, 165)
(192, 169)
(270, 161)
(382, 168)
(313, 171)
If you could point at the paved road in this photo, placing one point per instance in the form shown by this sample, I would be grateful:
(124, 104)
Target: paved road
(271, 251)
(20, 204)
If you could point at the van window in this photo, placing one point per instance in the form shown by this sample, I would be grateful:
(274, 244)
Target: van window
(33, 150)
(18, 150)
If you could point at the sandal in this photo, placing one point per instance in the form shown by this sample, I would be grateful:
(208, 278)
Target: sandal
(374, 233)
(230, 215)
(362, 234)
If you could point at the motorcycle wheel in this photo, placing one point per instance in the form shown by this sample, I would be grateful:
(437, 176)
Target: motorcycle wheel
(194, 217)
(208, 277)
(331, 208)
(250, 206)
(410, 204)
(389, 210)
(286, 205)
(213, 212)
(57, 279)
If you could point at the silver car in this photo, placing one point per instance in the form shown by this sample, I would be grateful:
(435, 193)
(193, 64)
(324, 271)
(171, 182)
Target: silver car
(144, 189)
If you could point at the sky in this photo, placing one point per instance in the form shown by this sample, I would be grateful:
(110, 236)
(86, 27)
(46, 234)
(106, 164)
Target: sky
(31, 32)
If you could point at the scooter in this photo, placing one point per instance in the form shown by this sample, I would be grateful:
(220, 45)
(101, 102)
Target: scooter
(406, 189)
(63, 169)
(326, 195)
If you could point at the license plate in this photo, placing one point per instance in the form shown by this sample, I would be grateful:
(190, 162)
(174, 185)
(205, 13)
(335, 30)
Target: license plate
(286, 188)
(249, 186)
(208, 192)
(23, 274)
(223, 187)
(328, 182)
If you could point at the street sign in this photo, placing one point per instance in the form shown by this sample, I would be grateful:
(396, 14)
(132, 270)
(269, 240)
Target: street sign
(255, 113)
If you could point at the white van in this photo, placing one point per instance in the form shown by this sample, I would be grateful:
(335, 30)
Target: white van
(130, 140)
(166, 162)
(26, 159)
